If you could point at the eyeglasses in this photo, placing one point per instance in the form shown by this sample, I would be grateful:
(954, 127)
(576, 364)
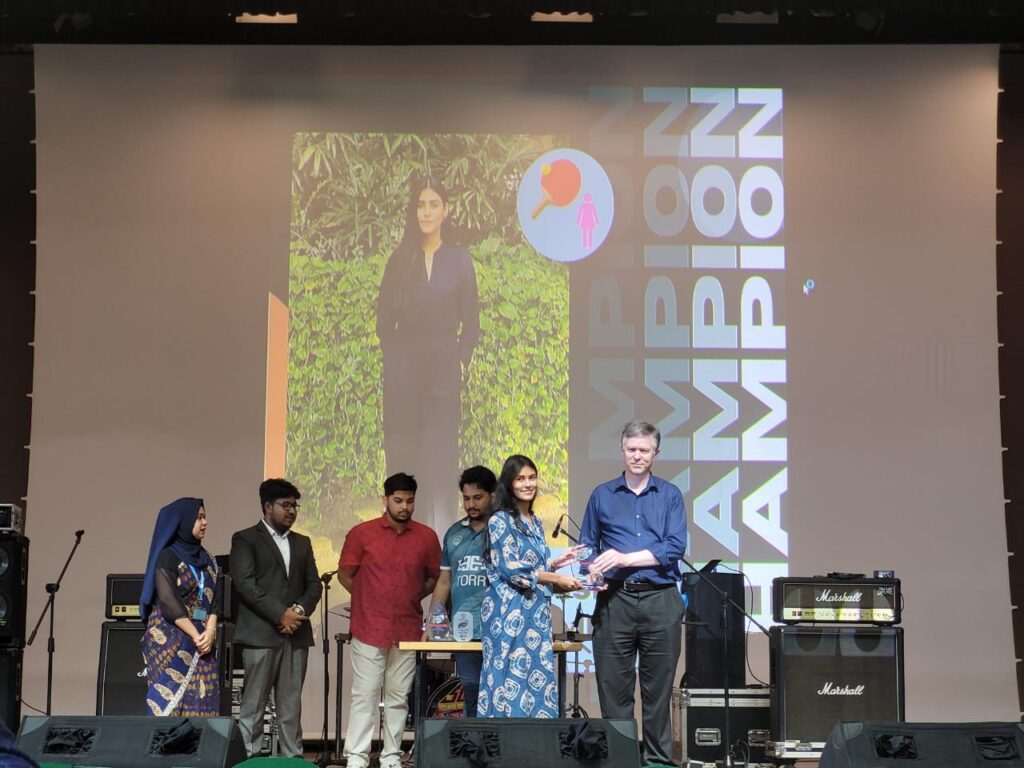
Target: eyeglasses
(290, 506)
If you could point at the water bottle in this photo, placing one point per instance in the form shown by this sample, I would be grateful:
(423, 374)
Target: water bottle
(462, 626)
(437, 623)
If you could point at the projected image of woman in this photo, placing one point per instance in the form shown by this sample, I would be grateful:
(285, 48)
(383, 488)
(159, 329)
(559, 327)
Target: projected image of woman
(519, 677)
(428, 323)
(180, 604)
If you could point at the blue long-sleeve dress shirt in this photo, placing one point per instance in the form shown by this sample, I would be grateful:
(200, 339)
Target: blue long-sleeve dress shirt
(655, 520)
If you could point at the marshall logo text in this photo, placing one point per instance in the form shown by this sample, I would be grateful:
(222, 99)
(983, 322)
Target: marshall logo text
(828, 596)
(831, 689)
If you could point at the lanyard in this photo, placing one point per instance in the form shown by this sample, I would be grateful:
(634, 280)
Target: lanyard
(200, 578)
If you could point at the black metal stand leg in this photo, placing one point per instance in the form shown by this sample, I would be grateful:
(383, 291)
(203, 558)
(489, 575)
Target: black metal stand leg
(561, 682)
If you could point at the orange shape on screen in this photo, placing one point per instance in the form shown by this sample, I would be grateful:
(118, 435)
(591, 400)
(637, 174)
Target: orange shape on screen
(559, 185)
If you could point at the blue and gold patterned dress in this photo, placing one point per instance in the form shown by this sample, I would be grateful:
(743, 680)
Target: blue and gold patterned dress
(180, 681)
(519, 677)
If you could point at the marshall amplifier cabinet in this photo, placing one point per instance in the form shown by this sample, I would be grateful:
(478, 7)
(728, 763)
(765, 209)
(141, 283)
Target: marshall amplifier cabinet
(824, 600)
(823, 675)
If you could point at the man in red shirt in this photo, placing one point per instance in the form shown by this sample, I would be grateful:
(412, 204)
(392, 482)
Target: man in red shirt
(388, 565)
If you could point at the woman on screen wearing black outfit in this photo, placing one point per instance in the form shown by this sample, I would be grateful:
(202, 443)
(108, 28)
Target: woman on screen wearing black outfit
(428, 323)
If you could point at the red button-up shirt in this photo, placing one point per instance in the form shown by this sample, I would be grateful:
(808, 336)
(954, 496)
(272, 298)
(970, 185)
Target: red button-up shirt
(391, 570)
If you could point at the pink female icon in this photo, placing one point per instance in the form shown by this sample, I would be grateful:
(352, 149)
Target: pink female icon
(586, 220)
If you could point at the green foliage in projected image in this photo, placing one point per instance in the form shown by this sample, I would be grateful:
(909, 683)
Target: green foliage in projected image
(348, 208)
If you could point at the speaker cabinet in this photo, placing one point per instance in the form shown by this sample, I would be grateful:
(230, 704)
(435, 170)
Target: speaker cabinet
(927, 745)
(823, 675)
(13, 585)
(121, 682)
(515, 742)
(705, 667)
(130, 742)
(10, 687)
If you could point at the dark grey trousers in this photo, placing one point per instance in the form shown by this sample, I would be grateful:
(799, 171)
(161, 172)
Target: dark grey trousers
(282, 669)
(644, 624)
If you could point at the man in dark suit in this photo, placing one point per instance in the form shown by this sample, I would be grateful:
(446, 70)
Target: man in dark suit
(278, 586)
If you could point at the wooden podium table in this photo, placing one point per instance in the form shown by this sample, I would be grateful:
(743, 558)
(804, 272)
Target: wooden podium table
(450, 646)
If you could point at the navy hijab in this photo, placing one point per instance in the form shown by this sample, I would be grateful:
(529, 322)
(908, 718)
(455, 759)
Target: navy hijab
(173, 530)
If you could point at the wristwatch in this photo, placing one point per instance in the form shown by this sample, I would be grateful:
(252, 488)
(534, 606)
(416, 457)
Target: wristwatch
(299, 609)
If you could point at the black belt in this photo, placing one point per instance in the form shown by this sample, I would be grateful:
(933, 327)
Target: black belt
(638, 586)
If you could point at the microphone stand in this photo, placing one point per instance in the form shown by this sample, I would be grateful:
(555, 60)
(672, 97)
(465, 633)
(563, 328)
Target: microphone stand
(726, 602)
(51, 645)
(325, 758)
(576, 710)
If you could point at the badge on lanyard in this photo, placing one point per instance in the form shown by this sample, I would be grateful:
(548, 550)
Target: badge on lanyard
(199, 614)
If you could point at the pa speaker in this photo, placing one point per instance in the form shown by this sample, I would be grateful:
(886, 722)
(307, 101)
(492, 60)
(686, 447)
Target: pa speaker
(516, 742)
(823, 675)
(121, 683)
(10, 687)
(130, 742)
(13, 585)
(705, 667)
(927, 745)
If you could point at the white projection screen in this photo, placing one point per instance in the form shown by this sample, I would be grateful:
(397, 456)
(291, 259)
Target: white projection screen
(795, 280)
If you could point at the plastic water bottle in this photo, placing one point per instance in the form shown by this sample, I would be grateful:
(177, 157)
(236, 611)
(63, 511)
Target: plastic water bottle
(437, 623)
(462, 626)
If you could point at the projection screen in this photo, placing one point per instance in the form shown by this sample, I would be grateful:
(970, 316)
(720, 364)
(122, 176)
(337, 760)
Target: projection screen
(784, 257)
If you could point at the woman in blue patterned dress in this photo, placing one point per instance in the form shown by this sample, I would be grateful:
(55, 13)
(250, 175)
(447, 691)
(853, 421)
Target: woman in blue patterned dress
(519, 677)
(180, 603)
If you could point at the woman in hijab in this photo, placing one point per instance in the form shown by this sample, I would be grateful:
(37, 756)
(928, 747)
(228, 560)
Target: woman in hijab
(180, 603)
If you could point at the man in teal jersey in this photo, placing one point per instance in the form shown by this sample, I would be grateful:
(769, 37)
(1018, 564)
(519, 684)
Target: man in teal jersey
(464, 574)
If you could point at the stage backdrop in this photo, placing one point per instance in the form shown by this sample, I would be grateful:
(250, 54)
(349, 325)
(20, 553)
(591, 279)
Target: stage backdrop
(783, 256)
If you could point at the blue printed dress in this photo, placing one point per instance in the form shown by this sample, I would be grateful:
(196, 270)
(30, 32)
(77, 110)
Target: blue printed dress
(519, 677)
(180, 681)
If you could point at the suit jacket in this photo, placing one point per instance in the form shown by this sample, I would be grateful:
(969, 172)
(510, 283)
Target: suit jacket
(265, 590)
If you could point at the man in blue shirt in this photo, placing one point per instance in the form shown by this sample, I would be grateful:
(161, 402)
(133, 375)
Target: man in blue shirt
(464, 573)
(637, 524)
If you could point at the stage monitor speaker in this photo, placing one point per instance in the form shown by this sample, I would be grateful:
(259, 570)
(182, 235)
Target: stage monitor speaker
(928, 745)
(10, 687)
(823, 675)
(516, 742)
(130, 742)
(121, 682)
(704, 665)
(13, 586)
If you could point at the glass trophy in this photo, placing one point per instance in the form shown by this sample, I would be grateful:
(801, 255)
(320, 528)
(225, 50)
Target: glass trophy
(592, 582)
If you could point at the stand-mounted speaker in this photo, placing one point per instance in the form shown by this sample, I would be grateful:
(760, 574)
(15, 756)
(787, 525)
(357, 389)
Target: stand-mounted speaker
(517, 742)
(705, 667)
(925, 745)
(130, 742)
(13, 586)
(823, 675)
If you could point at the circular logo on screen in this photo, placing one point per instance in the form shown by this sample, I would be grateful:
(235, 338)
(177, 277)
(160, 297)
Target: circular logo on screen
(565, 205)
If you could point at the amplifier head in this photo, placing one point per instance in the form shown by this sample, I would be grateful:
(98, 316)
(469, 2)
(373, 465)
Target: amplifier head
(12, 518)
(124, 590)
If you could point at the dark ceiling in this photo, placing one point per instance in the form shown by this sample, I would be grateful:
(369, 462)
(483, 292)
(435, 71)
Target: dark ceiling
(658, 22)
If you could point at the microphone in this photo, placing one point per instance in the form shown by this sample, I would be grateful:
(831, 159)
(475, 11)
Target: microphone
(79, 534)
(327, 576)
(559, 531)
(578, 616)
